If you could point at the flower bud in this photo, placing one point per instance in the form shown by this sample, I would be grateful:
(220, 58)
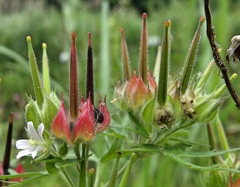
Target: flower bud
(208, 108)
(84, 127)
(60, 126)
(136, 92)
(103, 117)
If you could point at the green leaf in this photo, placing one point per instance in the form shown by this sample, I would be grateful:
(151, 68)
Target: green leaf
(49, 111)
(24, 175)
(27, 181)
(32, 113)
(147, 113)
(51, 168)
(190, 165)
(216, 179)
(63, 149)
(111, 154)
(140, 126)
(198, 154)
(171, 150)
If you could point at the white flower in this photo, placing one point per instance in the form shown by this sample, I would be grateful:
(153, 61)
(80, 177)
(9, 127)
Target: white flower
(34, 144)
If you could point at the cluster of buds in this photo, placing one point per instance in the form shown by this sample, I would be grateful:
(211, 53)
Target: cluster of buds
(159, 98)
(79, 125)
(84, 120)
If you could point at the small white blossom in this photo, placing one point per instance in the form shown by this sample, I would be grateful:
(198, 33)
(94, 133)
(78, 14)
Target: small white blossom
(35, 144)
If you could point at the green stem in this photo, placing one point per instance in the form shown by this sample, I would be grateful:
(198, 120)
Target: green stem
(125, 177)
(66, 176)
(113, 178)
(91, 172)
(98, 171)
(76, 151)
(222, 137)
(121, 171)
(212, 143)
(83, 168)
(63, 169)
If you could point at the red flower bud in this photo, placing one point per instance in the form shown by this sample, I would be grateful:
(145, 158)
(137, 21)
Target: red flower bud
(84, 127)
(60, 127)
(18, 169)
(103, 118)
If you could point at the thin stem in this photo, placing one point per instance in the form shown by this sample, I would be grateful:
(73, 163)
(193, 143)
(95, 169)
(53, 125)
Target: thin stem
(91, 172)
(67, 177)
(222, 137)
(216, 55)
(83, 168)
(76, 151)
(121, 171)
(98, 172)
(212, 143)
(113, 178)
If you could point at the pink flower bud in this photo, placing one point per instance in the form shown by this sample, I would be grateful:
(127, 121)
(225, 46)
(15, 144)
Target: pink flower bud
(136, 92)
(84, 127)
(102, 118)
(60, 127)
(151, 83)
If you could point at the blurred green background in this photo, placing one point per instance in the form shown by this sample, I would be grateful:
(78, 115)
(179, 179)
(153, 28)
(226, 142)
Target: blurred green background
(51, 22)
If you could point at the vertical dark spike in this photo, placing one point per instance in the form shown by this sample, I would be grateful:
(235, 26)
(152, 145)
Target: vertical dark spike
(6, 160)
(90, 81)
(73, 80)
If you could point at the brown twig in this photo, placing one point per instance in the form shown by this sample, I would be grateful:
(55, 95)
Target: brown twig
(216, 55)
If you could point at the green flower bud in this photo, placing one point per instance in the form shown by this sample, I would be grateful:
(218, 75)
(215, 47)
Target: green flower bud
(208, 108)
(32, 112)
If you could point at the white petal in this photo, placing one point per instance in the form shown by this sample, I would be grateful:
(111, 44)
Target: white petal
(34, 153)
(40, 130)
(22, 144)
(32, 132)
(39, 148)
(23, 153)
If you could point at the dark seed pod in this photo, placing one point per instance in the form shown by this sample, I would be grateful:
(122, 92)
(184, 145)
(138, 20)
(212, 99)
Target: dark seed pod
(98, 116)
